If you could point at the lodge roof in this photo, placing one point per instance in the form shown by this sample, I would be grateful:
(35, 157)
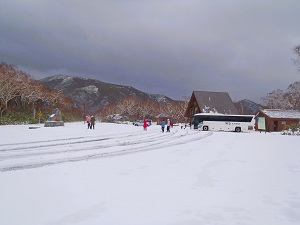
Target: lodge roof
(217, 102)
(281, 113)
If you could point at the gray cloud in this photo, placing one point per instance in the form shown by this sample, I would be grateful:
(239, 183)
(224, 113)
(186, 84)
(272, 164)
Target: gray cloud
(170, 47)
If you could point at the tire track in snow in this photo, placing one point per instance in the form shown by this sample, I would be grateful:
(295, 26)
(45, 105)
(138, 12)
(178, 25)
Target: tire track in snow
(115, 146)
(28, 147)
(71, 146)
(62, 140)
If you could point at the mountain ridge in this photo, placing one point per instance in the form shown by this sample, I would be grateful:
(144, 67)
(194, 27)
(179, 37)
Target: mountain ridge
(247, 107)
(94, 94)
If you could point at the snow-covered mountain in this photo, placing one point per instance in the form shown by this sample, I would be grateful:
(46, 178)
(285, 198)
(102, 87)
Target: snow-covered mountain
(247, 107)
(95, 94)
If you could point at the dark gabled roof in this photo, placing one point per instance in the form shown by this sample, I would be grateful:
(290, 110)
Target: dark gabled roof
(281, 113)
(217, 102)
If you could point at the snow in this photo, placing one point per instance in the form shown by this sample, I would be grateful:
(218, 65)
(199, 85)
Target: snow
(92, 89)
(280, 113)
(121, 174)
(67, 79)
(57, 77)
(158, 97)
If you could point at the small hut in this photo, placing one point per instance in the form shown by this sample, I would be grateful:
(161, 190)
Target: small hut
(272, 120)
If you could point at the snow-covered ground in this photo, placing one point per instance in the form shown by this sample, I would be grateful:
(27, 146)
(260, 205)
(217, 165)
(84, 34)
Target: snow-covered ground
(122, 175)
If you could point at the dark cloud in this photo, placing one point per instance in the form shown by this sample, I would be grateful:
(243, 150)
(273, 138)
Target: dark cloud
(167, 47)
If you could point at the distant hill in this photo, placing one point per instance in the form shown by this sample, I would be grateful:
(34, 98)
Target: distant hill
(95, 94)
(247, 107)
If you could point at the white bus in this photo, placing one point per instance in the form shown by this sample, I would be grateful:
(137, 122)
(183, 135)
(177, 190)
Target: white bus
(223, 122)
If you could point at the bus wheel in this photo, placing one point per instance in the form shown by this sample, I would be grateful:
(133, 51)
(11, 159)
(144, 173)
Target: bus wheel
(237, 129)
(205, 128)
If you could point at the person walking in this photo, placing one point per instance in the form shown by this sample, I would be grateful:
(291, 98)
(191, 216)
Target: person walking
(145, 124)
(92, 122)
(163, 124)
(88, 120)
(168, 125)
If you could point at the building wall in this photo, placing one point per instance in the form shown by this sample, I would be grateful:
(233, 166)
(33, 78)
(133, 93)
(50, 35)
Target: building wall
(192, 108)
(276, 124)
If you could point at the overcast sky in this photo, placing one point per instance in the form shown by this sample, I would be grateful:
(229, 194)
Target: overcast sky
(170, 47)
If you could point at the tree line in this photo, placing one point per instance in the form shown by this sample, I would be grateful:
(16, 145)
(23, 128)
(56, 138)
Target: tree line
(133, 108)
(19, 92)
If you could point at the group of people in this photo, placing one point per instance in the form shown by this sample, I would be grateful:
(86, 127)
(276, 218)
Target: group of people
(90, 121)
(164, 124)
(168, 124)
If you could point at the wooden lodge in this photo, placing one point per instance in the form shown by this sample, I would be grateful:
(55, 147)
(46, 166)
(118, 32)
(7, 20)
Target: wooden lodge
(272, 120)
(210, 102)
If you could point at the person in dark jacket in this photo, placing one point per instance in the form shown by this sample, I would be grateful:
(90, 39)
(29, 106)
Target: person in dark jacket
(163, 124)
(92, 122)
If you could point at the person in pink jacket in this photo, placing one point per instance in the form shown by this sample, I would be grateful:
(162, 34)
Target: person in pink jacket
(88, 120)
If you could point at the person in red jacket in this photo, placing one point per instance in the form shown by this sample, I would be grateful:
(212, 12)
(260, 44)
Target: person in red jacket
(145, 124)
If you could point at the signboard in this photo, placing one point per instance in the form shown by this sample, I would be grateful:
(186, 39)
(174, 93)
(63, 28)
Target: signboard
(261, 123)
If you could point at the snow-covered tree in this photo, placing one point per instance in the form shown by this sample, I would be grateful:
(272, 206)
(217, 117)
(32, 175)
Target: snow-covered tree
(288, 99)
(293, 95)
(127, 106)
(296, 51)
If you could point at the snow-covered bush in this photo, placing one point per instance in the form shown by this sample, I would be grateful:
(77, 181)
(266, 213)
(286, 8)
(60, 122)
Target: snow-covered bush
(292, 129)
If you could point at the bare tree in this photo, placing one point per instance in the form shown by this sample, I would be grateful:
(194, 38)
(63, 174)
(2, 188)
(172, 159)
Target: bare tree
(274, 99)
(108, 111)
(289, 99)
(296, 51)
(127, 107)
(293, 95)
(147, 108)
(31, 91)
(9, 85)
(179, 111)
